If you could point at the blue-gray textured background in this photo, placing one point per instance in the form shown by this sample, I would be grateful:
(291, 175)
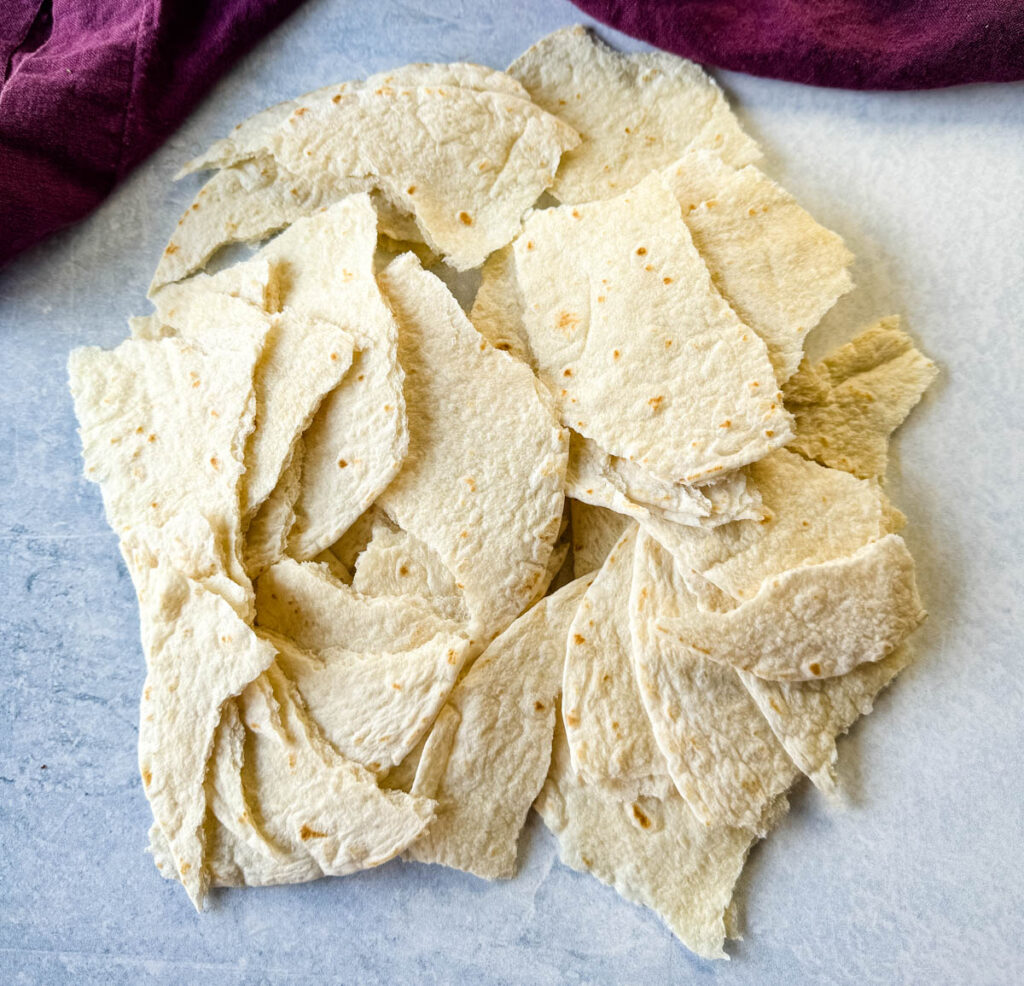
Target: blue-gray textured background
(917, 879)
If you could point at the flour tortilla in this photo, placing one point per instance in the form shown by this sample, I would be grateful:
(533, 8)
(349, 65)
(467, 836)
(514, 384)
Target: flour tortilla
(722, 755)
(251, 137)
(610, 738)
(498, 758)
(164, 426)
(466, 163)
(266, 537)
(311, 799)
(199, 654)
(639, 350)
(595, 530)
(779, 270)
(654, 852)
(461, 489)
(636, 113)
(814, 621)
(302, 359)
(304, 602)
(374, 707)
(497, 312)
(807, 716)
(848, 405)
(358, 438)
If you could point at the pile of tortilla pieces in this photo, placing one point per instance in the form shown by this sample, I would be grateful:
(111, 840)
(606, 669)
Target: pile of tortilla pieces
(607, 545)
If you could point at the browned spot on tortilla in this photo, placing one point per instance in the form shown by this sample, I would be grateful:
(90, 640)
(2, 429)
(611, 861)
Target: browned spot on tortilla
(466, 219)
(655, 402)
(814, 668)
(567, 320)
(215, 462)
(171, 249)
(291, 760)
(411, 190)
(147, 776)
(342, 463)
(336, 98)
(571, 720)
(306, 833)
(539, 706)
(185, 867)
(451, 657)
(577, 639)
(640, 251)
(644, 821)
(397, 687)
(403, 570)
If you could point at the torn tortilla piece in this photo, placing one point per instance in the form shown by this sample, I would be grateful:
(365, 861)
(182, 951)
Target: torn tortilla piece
(304, 602)
(164, 426)
(609, 735)
(373, 707)
(490, 507)
(198, 655)
(847, 406)
(778, 269)
(595, 531)
(808, 716)
(723, 757)
(311, 799)
(640, 351)
(497, 760)
(814, 621)
(635, 113)
(654, 852)
(266, 537)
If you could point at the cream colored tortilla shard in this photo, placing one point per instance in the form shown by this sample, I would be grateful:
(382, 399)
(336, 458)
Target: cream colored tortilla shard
(816, 621)
(722, 755)
(313, 800)
(198, 655)
(164, 426)
(641, 352)
(466, 163)
(496, 762)
(656, 853)
(848, 405)
(609, 736)
(635, 113)
(267, 534)
(488, 506)
(807, 716)
(595, 531)
(778, 269)
(374, 707)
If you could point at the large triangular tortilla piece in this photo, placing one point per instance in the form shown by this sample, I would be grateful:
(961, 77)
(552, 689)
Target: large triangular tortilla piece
(722, 755)
(486, 775)
(251, 137)
(490, 507)
(635, 113)
(164, 426)
(610, 738)
(373, 707)
(311, 799)
(358, 437)
(640, 351)
(848, 405)
(466, 163)
(807, 716)
(199, 654)
(655, 853)
(779, 270)
(304, 602)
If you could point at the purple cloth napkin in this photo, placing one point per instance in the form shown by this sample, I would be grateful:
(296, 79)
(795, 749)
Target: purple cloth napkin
(90, 87)
(847, 44)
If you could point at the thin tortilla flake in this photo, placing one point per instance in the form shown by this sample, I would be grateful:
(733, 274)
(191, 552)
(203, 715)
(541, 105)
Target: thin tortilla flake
(848, 405)
(636, 113)
(655, 853)
(722, 755)
(497, 760)
(639, 350)
(461, 489)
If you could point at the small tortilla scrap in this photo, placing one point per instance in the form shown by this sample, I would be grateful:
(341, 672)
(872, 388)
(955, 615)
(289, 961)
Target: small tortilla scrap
(848, 405)
(640, 351)
(595, 531)
(636, 113)
(807, 716)
(491, 508)
(266, 537)
(373, 707)
(497, 760)
(654, 852)
(610, 738)
(312, 800)
(779, 270)
(723, 757)
(199, 654)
